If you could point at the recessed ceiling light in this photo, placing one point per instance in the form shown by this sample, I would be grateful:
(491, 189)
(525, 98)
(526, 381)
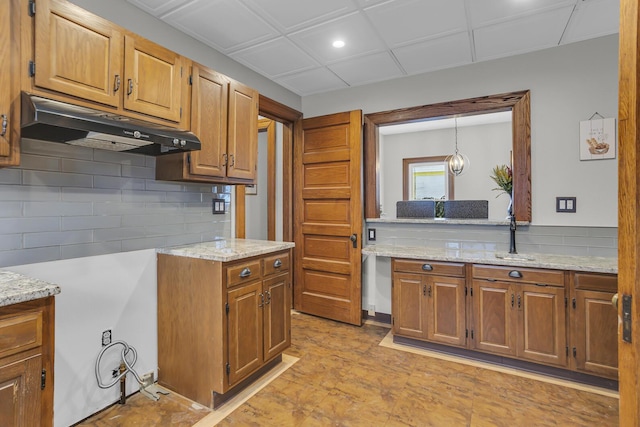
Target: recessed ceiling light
(338, 43)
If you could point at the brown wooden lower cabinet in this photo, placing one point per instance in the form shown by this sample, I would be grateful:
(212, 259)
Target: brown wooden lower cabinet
(557, 318)
(594, 324)
(219, 323)
(26, 363)
(428, 301)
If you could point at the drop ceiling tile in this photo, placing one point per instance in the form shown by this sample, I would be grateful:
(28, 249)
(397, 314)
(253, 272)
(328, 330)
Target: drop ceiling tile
(521, 35)
(290, 15)
(275, 57)
(359, 36)
(226, 25)
(483, 12)
(401, 21)
(157, 7)
(312, 81)
(593, 18)
(449, 51)
(368, 3)
(367, 69)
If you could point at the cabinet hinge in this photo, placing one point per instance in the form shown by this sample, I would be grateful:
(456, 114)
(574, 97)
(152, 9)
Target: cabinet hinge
(574, 352)
(32, 8)
(226, 308)
(471, 292)
(228, 369)
(472, 334)
(43, 379)
(189, 159)
(567, 347)
(566, 304)
(32, 68)
(465, 291)
(573, 303)
(466, 333)
(191, 80)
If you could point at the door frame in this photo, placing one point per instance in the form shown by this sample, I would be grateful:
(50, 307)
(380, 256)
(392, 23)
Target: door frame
(290, 119)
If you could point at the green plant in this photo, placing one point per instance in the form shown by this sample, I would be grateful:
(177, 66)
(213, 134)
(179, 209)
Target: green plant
(503, 176)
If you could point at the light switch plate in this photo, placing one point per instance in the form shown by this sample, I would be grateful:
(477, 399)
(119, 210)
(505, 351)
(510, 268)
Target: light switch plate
(566, 204)
(372, 234)
(217, 206)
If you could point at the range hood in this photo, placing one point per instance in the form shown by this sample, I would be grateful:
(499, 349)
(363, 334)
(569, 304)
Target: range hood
(57, 121)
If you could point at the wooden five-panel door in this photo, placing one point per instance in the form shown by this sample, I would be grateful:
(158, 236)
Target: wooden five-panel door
(328, 217)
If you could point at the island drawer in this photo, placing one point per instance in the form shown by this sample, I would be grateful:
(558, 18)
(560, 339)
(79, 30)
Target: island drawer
(243, 272)
(536, 276)
(20, 333)
(276, 263)
(431, 267)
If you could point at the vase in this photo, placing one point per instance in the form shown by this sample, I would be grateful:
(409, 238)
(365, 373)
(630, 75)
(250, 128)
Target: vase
(510, 207)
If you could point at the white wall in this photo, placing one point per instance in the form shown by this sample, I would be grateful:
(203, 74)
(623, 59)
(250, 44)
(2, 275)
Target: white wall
(256, 226)
(568, 84)
(116, 292)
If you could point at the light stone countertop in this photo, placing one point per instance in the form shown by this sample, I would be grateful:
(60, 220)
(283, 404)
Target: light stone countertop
(445, 221)
(533, 260)
(227, 249)
(16, 288)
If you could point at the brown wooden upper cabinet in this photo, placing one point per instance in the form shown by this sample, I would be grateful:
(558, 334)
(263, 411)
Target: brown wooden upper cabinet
(87, 57)
(224, 116)
(10, 84)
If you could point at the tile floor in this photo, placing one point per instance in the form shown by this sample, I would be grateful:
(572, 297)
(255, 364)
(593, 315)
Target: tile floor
(345, 378)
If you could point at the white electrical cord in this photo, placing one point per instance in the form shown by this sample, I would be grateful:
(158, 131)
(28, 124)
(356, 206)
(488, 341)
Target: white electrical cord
(125, 350)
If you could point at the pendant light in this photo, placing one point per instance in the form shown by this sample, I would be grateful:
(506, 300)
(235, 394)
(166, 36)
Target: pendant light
(457, 162)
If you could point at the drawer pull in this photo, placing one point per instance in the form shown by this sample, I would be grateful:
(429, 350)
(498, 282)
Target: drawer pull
(246, 272)
(261, 300)
(277, 263)
(427, 267)
(515, 274)
(541, 284)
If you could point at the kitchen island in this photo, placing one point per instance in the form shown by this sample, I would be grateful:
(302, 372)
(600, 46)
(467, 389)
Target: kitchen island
(224, 315)
(26, 349)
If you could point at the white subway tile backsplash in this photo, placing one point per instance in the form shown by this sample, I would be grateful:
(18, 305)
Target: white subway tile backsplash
(90, 194)
(90, 167)
(28, 225)
(10, 209)
(121, 233)
(173, 196)
(29, 256)
(143, 196)
(89, 249)
(57, 238)
(121, 183)
(57, 208)
(89, 222)
(139, 171)
(26, 193)
(56, 179)
(119, 158)
(43, 163)
(55, 149)
(10, 176)
(10, 242)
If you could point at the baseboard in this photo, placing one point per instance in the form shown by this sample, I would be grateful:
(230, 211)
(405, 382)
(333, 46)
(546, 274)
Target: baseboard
(378, 317)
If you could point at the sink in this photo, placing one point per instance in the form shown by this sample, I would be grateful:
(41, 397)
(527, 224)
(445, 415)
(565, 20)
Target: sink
(515, 257)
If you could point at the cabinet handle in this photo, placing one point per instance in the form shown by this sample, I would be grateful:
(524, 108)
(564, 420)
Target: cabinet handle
(261, 300)
(424, 290)
(268, 297)
(518, 301)
(246, 272)
(5, 122)
(512, 300)
(130, 90)
(224, 159)
(429, 291)
(233, 161)
(116, 83)
(427, 267)
(515, 274)
(277, 263)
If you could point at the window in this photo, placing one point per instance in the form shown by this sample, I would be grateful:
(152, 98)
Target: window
(427, 178)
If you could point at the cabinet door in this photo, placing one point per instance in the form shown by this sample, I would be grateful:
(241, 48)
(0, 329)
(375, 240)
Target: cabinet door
(77, 53)
(243, 131)
(209, 100)
(409, 301)
(494, 314)
(542, 333)
(20, 393)
(153, 79)
(277, 316)
(447, 310)
(245, 330)
(595, 332)
(10, 84)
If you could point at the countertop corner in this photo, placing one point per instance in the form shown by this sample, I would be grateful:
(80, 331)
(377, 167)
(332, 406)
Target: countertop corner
(16, 288)
(225, 250)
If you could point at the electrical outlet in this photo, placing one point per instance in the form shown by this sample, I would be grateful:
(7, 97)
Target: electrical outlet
(372, 234)
(372, 310)
(147, 379)
(106, 337)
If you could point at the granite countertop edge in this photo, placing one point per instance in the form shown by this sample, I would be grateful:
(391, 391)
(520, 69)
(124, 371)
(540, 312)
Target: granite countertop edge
(591, 264)
(16, 288)
(225, 250)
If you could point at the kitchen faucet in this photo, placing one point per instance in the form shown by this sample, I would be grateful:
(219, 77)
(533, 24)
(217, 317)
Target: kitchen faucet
(512, 234)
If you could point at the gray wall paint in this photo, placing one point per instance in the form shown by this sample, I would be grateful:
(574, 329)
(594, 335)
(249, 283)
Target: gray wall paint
(66, 202)
(568, 84)
(130, 17)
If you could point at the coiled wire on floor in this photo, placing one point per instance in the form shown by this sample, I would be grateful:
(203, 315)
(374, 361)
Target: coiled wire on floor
(128, 367)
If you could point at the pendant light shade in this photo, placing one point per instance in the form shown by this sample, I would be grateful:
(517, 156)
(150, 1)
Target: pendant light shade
(457, 162)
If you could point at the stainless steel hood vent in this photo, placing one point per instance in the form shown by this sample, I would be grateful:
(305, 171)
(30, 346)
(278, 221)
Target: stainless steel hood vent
(56, 121)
